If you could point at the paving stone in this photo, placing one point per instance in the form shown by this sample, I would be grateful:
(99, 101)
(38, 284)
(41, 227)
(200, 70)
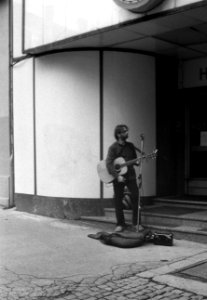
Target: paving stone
(70, 297)
(187, 294)
(144, 297)
(112, 297)
(158, 297)
(158, 286)
(95, 289)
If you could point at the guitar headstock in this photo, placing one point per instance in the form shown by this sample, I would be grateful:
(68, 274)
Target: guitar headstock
(154, 153)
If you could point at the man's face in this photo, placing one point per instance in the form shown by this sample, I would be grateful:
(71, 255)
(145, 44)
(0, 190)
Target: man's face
(124, 134)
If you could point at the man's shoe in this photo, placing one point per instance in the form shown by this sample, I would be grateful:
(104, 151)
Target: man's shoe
(119, 229)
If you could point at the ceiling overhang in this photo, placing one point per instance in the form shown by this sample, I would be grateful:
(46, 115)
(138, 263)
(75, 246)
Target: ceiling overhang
(178, 33)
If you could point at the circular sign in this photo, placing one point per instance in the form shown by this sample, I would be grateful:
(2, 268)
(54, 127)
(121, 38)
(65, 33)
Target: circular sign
(138, 6)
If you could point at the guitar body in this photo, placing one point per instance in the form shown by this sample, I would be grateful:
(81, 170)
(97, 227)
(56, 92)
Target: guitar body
(103, 172)
(120, 165)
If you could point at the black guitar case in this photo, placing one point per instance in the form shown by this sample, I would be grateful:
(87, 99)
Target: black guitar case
(121, 239)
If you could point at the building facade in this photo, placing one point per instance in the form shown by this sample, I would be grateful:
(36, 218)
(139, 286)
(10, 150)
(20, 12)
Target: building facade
(81, 69)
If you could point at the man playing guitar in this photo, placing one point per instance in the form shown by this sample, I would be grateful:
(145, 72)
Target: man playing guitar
(122, 148)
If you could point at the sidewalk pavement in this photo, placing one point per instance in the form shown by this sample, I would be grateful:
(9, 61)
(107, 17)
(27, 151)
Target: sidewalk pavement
(44, 259)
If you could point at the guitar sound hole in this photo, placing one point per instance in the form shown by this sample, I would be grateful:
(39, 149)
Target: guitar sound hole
(117, 168)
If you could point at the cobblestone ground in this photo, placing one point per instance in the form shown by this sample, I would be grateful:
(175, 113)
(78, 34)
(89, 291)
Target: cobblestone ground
(123, 283)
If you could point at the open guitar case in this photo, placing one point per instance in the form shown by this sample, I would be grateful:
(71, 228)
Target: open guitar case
(130, 239)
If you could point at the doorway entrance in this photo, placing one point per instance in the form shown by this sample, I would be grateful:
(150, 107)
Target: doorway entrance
(196, 142)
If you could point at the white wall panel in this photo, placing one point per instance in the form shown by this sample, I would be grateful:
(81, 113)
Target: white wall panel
(67, 111)
(23, 127)
(129, 98)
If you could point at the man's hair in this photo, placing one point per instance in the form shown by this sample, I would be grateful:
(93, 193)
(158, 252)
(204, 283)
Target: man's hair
(118, 129)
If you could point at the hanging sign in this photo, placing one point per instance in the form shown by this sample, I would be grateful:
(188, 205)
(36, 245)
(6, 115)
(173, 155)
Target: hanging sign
(138, 6)
(193, 73)
(203, 138)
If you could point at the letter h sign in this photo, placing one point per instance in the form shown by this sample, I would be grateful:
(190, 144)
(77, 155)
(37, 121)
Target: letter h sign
(203, 73)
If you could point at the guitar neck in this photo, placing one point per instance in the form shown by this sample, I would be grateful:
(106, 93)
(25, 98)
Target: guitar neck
(133, 161)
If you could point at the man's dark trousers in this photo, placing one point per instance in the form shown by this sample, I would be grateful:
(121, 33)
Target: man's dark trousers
(119, 194)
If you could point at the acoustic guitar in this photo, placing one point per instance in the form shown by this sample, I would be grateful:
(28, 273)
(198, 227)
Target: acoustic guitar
(120, 165)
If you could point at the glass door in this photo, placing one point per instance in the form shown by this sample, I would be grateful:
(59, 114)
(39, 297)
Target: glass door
(198, 138)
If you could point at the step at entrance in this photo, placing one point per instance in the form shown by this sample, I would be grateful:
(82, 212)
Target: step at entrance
(168, 216)
(187, 222)
(186, 201)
